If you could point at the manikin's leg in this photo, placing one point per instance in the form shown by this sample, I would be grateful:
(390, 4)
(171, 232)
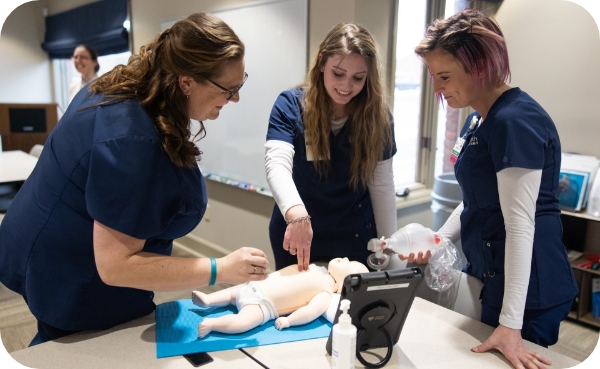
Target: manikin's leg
(219, 298)
(249, 317)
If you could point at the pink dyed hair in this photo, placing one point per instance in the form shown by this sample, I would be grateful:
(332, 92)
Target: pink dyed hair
(474, 40)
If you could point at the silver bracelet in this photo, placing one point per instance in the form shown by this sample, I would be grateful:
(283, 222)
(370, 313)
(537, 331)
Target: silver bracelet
(298, 220)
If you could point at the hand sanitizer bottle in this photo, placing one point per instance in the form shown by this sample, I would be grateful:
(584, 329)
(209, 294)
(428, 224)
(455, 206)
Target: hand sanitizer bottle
(343, 355)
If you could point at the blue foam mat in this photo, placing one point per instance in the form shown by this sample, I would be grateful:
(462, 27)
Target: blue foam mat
(177, 330)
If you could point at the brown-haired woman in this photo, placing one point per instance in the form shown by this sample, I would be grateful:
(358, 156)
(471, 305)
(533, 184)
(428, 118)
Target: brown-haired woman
(89, 235)
(85, 60)
(329, 156)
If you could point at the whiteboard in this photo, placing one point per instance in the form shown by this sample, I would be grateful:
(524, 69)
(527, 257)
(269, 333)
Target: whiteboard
(275, 36)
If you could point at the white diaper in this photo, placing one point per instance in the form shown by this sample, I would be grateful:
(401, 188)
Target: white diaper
(251, 294)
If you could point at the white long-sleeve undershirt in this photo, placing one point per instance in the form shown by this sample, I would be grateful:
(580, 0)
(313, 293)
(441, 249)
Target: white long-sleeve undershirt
(279, 157)
(383, 198)
(451, 229)
(518, 189)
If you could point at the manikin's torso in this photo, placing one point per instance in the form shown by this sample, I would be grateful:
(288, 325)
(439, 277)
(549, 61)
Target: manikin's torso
(288, 289)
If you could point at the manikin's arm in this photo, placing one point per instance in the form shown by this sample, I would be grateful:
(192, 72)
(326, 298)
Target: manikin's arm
(315, 308)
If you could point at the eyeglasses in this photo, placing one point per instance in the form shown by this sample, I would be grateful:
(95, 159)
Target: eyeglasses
(235, 90)
(82, 57)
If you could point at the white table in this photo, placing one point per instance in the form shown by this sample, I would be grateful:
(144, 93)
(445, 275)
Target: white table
(433, 337)
(131, 345)
(15, 166)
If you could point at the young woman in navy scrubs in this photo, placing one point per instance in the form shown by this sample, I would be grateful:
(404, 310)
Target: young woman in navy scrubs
(329, 156)
(507, 164)
(89, 235)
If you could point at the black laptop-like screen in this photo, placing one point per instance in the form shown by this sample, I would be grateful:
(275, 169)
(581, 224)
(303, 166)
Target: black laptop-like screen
(27, 119)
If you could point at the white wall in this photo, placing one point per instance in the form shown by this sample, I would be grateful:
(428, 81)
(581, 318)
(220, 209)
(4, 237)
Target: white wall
(554, 52)
(553, 45)
(25, 69)
(237, 217)
(25, 75)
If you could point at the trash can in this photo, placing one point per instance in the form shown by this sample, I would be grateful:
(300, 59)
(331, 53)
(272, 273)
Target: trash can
(445, 198)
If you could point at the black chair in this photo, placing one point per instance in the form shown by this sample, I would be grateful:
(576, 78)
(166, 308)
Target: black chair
(8, 191)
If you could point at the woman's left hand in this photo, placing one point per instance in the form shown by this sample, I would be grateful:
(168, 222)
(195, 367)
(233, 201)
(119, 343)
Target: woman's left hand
(510, 343)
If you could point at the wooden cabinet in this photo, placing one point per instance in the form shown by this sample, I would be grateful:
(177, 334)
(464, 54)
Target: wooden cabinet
(24, 125)
(581, 232)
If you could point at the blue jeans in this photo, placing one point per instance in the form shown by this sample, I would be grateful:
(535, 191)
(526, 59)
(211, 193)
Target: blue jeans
(540, 326)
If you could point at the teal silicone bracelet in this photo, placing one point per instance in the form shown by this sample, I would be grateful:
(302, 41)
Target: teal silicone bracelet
(213, 271)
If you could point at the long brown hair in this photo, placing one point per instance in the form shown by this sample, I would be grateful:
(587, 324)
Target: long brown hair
(198, 47)
(370, 130)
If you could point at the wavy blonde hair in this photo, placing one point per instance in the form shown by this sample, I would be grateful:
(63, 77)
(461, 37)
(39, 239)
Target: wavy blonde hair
(198, 46)
(370, 130)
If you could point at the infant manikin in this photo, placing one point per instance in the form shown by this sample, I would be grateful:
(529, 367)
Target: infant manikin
(303, 295)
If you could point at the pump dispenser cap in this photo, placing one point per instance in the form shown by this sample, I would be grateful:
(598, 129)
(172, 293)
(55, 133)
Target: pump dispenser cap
(345, 321)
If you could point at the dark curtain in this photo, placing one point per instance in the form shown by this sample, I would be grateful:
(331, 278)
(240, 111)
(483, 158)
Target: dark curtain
(98, 24)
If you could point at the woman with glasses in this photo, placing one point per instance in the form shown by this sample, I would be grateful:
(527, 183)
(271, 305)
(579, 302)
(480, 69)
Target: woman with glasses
(85, 59)
(507, 162)
(329, 155)
(90, 234)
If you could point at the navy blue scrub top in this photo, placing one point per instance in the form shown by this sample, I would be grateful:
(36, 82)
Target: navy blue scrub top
(102, 163)
(516, 133)
(342, 218)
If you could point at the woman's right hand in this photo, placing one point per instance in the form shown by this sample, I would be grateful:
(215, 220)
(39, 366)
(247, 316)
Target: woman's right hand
(420, 258)
(243, 265)
(298, 236)
(509, 342)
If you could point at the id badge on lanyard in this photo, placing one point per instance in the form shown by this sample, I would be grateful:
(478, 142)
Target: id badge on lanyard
(460, 142)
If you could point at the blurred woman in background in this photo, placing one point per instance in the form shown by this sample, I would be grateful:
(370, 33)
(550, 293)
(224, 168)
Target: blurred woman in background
(85, 59)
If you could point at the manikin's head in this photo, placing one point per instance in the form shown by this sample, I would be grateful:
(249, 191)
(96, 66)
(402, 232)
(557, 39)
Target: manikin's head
(339, 268)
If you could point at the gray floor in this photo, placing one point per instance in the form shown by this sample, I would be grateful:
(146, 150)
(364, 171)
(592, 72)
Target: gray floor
(18, 326)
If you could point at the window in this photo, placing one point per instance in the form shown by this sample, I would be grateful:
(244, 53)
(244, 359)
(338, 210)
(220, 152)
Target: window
(407, 90)
(65, 74)
(450, 120)
(415, 110)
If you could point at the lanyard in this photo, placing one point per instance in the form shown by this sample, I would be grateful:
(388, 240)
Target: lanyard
(460, 142)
